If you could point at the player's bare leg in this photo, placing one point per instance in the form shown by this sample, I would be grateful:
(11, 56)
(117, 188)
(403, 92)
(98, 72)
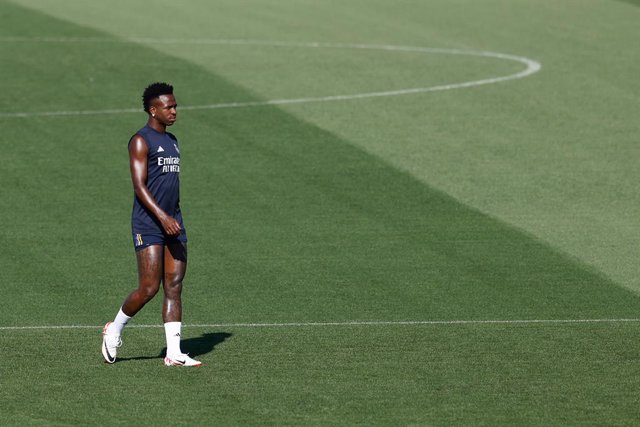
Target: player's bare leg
(175, 267)
(150, 270)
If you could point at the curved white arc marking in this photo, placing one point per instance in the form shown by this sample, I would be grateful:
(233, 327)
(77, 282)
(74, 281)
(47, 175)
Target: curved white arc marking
(532, 67)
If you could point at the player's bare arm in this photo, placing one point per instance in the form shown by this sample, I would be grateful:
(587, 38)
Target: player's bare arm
(138, 151)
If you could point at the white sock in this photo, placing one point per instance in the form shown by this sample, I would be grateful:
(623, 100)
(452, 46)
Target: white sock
(172, 332)
(116, 327)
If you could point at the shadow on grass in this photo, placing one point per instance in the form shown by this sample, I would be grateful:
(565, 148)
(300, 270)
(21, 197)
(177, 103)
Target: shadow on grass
(197, 346)
(633, 2)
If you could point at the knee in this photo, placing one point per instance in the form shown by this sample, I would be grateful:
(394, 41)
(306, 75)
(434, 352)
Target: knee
(149, 290)
(173, 282)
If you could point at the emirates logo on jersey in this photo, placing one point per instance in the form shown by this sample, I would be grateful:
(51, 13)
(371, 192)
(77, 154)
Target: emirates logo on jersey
(169, 164)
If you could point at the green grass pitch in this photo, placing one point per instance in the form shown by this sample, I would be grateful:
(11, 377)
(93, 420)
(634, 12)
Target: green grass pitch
(465, 256)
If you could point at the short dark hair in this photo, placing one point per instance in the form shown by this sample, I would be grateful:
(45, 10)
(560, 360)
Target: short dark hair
(153, 91)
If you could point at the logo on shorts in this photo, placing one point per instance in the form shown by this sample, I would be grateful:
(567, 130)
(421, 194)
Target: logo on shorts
(139, 241)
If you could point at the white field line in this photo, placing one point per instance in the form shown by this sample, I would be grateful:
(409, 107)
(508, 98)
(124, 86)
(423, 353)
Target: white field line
(531, 67)
(343, 324)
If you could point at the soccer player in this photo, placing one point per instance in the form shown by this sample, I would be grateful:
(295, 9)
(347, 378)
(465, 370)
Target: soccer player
(159, 236)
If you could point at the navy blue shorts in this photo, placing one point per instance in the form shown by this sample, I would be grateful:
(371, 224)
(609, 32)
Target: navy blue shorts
(142, 241)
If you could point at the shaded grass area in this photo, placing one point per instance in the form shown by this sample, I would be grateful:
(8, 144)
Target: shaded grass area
(287, 222)
(633, 2)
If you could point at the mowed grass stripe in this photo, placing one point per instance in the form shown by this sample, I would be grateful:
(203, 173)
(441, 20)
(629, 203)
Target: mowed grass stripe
(507, 374)
(339, 324)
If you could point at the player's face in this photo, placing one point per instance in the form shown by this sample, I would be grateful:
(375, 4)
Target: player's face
(163, 108)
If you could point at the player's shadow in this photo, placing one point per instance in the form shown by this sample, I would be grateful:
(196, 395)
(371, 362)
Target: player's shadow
(197, 346)
(203, 344)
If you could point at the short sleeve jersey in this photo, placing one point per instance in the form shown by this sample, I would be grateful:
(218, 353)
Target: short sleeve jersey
(163, 181)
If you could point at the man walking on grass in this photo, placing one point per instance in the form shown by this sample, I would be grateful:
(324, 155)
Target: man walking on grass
(159, 236)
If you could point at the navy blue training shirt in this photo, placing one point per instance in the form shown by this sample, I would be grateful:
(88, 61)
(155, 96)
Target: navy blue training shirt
(163, 181)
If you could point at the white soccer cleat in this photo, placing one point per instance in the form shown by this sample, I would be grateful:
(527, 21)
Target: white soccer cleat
(181, 360)
(110, 344)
